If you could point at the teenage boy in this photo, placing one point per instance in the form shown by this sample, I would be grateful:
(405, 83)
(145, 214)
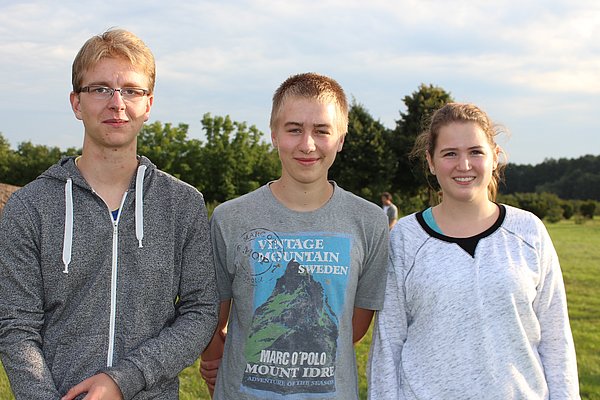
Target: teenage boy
(107, 284)
(300, 263)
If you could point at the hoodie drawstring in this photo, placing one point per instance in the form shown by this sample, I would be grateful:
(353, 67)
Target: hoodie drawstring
(139, 215)
(68, 238)
(139, 204)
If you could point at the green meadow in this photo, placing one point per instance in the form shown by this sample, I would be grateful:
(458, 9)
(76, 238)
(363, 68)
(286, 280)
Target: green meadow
(578, 246)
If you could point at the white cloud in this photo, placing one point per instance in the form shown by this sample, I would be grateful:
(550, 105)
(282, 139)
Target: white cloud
(523, 59)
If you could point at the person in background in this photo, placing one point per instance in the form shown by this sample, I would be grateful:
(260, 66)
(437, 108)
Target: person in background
(300, 263)
(389, 208)
(475, 305)
(107, 281)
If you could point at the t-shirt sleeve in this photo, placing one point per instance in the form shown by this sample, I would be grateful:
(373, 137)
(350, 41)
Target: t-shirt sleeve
(371, 282)
(224, 276)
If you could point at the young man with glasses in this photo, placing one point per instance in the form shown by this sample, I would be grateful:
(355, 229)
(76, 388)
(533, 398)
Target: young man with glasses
(301, 263)
(107, 284)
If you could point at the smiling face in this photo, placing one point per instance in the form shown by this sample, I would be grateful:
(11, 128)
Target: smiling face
(112, 123)
(463, 161)
(307, 137)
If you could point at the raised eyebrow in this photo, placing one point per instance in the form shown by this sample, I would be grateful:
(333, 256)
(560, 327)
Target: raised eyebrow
(293, 124)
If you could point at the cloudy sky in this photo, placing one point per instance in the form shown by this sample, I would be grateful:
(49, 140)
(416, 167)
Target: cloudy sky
(534, 66)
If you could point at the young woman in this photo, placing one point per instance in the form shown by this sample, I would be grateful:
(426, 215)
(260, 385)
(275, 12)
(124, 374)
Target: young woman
(475, 306)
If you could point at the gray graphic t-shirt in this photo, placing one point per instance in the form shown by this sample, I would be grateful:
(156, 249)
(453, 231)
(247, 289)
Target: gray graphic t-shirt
(295, 278)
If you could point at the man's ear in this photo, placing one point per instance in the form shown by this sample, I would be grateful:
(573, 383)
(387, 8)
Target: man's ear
(75, 104)
(149, 103)
(341, 143)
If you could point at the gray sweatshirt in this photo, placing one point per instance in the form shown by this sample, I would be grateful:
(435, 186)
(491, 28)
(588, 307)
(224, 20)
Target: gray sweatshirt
(83, 292)
(487, 321)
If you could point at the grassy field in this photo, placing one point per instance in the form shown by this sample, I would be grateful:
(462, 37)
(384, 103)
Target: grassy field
(578, 247)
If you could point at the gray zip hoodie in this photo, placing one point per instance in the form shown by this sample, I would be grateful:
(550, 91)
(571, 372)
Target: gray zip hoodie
(82, 292)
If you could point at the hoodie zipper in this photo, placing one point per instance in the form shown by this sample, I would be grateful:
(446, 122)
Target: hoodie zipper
(113, 283)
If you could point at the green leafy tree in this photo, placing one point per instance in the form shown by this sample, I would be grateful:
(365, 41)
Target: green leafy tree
(366, 164)
(169, 148)
(30, 160)
(509, 199)
(544, 205)
(554, 214)
(235, 160)
(568, 178)
(420, 105)
(574, 184)
(6, 159)
(587, 209)
(519, 179)
(568, 208)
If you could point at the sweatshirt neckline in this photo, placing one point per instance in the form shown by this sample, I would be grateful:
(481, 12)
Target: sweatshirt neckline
(468, 244)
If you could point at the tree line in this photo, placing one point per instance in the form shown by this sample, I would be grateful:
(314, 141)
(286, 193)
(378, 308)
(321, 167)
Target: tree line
(567, 178)
(235, 158)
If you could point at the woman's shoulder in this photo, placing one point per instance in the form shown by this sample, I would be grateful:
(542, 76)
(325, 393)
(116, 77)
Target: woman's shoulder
(407, 227)
(524, 224)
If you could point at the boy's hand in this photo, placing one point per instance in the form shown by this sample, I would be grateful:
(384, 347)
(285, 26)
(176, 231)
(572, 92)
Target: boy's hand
(97, 387)
(208, 370)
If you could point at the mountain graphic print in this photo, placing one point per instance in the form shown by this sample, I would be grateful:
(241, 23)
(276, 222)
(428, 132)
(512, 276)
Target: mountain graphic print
(299, 294)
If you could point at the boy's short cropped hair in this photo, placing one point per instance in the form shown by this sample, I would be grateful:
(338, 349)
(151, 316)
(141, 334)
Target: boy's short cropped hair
(311, 85)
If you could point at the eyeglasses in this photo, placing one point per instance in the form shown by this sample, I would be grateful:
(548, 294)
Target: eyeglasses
(130, 94)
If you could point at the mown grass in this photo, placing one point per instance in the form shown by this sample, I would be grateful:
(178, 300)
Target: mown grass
(578, 247)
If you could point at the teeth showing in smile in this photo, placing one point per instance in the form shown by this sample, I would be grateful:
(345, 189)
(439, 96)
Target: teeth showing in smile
(465, 179)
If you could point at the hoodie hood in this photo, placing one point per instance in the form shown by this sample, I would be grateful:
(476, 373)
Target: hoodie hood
(67, 171)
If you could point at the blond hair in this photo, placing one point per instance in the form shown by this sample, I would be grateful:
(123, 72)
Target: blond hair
(312, 86)
(114, 43)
